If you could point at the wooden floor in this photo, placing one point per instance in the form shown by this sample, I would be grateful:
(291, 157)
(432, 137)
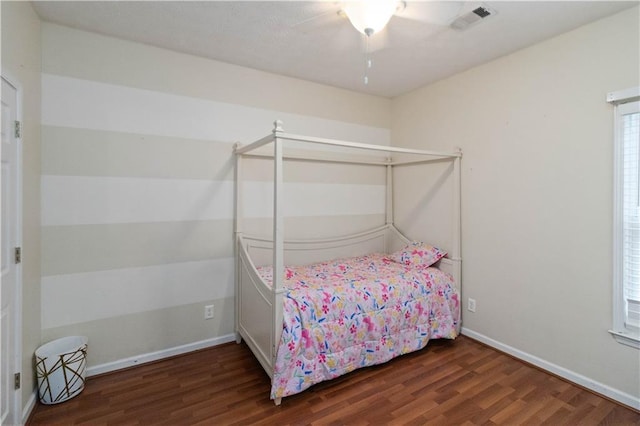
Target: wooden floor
(459, 382)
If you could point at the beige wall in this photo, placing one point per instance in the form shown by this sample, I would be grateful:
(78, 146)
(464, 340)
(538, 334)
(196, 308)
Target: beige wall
(137, 178)
(21, 60)
(537, 193)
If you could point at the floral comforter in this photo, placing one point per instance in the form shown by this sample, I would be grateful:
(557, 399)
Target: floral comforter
(345, 314)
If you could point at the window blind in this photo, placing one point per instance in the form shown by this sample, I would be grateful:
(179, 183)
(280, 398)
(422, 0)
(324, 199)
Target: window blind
(626, 216)
(630, 123)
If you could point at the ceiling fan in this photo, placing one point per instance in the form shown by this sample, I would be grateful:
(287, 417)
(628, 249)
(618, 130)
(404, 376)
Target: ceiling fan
(371, 18)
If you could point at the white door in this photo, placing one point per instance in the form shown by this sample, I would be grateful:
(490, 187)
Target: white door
(10, 236)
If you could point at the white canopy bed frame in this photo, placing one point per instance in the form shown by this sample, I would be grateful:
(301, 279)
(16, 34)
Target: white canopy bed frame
(259, 307)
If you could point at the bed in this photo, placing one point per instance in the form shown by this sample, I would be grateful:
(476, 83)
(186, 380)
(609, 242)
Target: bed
(313, 310)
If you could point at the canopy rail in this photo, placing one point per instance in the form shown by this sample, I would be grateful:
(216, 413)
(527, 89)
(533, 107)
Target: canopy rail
(386, 161)
(279, 134)
(320, 159)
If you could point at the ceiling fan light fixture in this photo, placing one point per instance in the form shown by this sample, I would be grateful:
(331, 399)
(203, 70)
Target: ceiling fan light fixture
(371, 16)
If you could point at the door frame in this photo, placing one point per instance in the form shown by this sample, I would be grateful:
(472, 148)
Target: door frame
(17, 408)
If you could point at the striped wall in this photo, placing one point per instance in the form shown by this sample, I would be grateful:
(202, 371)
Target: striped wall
(137, 188)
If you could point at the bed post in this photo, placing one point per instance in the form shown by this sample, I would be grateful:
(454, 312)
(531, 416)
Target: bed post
(455, 248)
(389, 193)
(388, 204)
(237, 231)
(278, 244)
(457, 223)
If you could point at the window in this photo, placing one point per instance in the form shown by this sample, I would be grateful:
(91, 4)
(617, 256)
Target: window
(626, 250)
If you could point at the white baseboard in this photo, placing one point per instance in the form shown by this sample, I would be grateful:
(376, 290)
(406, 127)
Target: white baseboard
(29, 406)
(154, 356)
(579, 379)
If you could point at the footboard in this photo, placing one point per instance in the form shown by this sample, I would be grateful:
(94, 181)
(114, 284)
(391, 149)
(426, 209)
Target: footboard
(256, 305)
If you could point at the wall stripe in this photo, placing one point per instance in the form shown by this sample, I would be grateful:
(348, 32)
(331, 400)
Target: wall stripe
(316, 172)
(314, 199)
(117, 338)
(85, 248)
(70, 151)
(86, 152)
(75, 298)
(85, 55)
(71, 102)
(314, 226)
(83, 200)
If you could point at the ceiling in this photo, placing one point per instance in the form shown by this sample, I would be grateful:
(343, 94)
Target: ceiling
(313, 41)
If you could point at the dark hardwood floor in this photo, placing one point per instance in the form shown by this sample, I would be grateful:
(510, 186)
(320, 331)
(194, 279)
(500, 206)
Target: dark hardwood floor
(459, 382)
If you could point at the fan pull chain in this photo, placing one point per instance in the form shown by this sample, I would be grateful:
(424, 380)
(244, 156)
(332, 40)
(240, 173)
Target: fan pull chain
(367, 55)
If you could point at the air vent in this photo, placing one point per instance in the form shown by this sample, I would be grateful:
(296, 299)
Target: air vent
(481, 12)
(469, 19)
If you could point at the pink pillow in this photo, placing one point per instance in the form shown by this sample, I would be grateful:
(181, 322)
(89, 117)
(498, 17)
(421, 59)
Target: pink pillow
(418, 254)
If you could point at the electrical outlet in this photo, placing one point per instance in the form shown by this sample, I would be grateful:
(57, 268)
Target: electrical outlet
(208, 312)
(471, 305)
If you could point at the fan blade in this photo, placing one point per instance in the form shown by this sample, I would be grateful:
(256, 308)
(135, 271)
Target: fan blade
(318, 13)
(403, 30)
(432, 12)
(318, 17)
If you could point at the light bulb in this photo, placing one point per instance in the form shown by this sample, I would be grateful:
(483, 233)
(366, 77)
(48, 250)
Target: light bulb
(371, 16)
